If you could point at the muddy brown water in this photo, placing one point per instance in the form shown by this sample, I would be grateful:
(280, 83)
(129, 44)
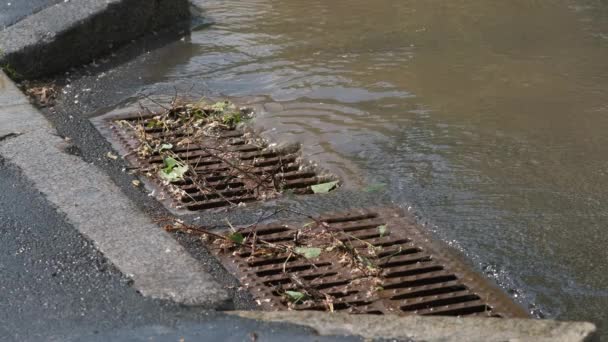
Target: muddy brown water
(490, 118)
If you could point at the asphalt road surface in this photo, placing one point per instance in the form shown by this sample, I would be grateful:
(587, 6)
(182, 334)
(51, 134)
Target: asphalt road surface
(12, 11)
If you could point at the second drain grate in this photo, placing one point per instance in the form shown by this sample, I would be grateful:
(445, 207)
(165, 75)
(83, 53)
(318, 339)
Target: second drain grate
(369, 261)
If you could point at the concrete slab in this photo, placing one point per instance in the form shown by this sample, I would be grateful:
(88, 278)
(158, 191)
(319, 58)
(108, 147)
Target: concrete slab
(431, 329)
(75, 32)
(94, 205)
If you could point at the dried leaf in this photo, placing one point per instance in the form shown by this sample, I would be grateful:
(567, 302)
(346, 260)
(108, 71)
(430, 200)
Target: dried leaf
(308, 224)
(324, 187)
(366, 262)
(165, 147)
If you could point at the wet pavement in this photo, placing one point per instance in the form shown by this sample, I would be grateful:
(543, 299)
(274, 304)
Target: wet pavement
(489, 122)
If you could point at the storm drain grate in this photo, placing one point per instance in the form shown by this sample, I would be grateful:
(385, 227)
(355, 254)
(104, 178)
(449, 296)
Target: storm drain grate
(226, 168)
(415, 275)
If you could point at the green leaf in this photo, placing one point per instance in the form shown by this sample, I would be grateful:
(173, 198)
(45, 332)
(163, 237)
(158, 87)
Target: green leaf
(295, 296)
(237, 237)
(177, 173)
(220, 106)
(309, 252)
(232, 119)
(382, 230)
(324, 187)
(376, 187)
(170, 163)
(154, 123)
(164, 147)
(173, 170)
(199, 113)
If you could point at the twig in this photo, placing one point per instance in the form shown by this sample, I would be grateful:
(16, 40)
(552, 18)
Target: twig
(198, 230)
(285, 263)
(156, 102)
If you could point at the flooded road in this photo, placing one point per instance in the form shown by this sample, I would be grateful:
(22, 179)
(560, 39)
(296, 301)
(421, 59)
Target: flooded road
(489, 118)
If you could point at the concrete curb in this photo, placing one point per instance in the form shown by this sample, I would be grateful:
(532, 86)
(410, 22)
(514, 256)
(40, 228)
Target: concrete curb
(93, 204)
(431, 329)
(75, 32)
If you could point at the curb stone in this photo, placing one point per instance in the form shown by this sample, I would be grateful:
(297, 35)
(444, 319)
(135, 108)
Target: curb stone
(76, 32)
(431, 329)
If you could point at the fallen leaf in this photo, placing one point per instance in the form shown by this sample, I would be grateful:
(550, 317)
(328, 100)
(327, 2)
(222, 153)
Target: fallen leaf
(324, 187)
(309, 252)
(295, 296)
(111, 156)
(376, 187)
(154, 124)
(136, 183)
(165, 147)
(382, 230)
(220, 106)
(173, 170)
(237, 238)
(177, 173)
(170, 163)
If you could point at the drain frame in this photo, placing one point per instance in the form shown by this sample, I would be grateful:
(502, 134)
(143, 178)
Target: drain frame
(430, 279)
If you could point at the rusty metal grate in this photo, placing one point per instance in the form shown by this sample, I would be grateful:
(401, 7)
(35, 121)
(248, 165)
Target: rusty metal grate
(215, 182)
(418, 276)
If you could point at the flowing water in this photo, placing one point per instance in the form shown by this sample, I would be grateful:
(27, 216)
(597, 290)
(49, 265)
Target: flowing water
(489, 117)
